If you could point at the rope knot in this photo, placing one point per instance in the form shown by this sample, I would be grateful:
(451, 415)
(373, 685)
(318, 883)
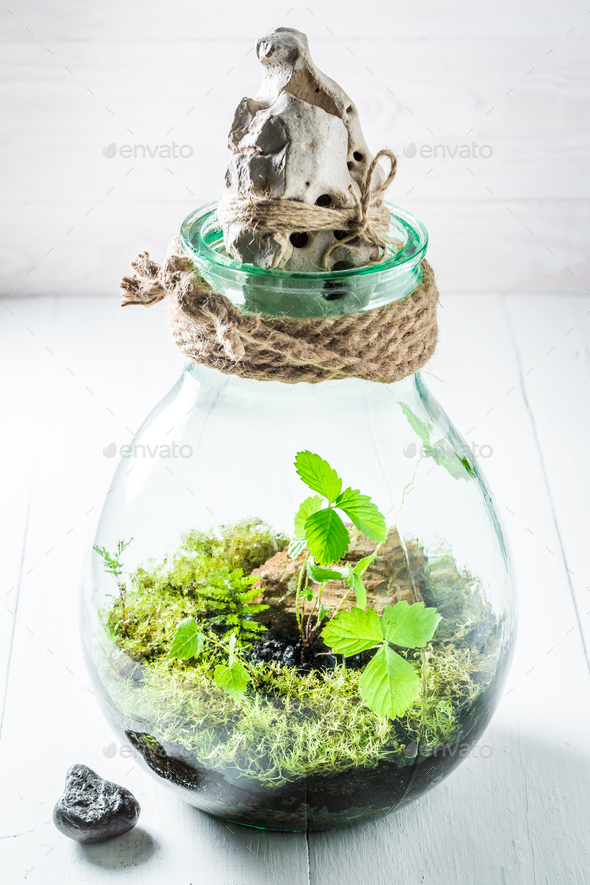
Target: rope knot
(144, 288)
(279, 216)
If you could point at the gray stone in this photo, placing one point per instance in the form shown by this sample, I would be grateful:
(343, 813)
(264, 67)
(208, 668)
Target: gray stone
(92, 809)
(299, 139)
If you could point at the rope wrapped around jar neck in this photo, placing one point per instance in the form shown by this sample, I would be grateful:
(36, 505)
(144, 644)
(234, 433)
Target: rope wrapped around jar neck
(385, 344)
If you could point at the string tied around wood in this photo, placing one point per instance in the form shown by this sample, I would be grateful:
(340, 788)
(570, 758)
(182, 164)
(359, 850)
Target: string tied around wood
(367, 219)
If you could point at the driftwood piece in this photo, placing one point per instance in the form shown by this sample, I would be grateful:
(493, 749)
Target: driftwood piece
(388, 580)
(299, 139)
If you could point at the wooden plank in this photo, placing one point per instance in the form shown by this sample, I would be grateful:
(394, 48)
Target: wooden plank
(539, 753)
(23, 390)
(515, 816)
(438, 839)
(457, 98)
(52, 719)
(458, 17)
(474, 247)
(553, 339)
(73, 215)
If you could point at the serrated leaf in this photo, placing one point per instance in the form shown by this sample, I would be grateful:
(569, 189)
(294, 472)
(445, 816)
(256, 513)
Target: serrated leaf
(418, 426)
(320, 575)
(326, 536)
(411, 626)
(233, 679)
(295, 548)
(365, 515)
(389, 684)
(318, 475)
(352, 632)
(188, 642)
(306, 508)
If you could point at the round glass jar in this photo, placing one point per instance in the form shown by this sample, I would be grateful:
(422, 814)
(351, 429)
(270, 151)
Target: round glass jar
(208, 493)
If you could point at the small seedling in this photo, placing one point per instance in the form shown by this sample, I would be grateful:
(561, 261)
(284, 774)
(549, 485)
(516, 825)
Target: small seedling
(113, 566)
(389, 684)
(320, 530)
(189, 642)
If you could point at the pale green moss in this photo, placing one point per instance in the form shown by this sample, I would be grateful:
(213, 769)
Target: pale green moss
(207, 576)
(290, 724)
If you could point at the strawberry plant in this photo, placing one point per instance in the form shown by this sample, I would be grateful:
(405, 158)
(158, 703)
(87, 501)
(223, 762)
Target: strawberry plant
(389, 684)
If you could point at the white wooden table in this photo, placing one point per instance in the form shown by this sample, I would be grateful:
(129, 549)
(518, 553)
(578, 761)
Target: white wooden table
(80, 373)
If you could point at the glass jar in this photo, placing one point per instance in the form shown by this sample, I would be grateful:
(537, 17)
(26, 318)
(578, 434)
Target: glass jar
(195, 532)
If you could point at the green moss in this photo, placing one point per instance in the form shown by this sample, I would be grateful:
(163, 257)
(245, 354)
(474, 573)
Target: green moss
(206, 577)
(288, 724)
(467, 616)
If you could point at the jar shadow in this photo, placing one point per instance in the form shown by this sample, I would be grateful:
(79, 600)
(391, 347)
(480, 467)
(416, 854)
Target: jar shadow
(513, 813)
(505, 810)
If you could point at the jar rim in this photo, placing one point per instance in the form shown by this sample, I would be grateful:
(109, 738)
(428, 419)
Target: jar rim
(200, 234)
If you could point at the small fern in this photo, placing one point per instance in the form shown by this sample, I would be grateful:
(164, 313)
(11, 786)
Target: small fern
(113, 566)
(231, 595)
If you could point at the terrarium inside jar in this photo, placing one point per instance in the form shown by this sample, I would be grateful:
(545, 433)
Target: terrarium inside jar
(299, 605)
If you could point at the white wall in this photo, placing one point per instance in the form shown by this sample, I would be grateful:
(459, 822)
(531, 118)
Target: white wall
(77, 77)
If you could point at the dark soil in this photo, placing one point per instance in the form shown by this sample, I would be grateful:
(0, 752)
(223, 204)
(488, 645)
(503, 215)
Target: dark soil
(318, 802)
(292, 652)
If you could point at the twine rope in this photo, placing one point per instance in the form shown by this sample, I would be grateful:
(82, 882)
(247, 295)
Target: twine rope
(367, 219)
(385, 344)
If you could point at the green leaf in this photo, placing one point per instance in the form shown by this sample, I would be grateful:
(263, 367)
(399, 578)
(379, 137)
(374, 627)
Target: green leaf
(323, 612)
(326, 536)
(365, 515)
(318, 475)
(389, 684)
(187, 642)
(306, 508)
(363, 564)
(418, 426)
(295, 548)
(443, 455)
(353, 579)
(320, 575)
(360, 591)
(411, 626)
(233, 679)
(467, 465)
(352, 632)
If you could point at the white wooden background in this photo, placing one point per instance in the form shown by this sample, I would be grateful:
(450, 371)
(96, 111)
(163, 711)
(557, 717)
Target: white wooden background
(77, 77)
(512, 369)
